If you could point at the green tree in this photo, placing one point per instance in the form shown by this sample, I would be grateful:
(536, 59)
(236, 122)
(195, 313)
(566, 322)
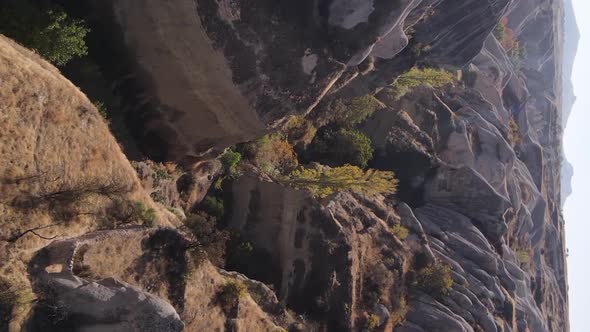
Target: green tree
(355, 111)
(230, 160)
(342, 147)
(213, 206)
(325, 181)
(47, 30)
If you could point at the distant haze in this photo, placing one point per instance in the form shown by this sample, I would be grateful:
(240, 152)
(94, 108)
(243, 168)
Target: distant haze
(577, 150)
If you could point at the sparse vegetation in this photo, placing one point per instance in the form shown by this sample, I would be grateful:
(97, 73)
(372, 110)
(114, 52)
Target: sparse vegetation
(230, 294)
(338, 148)
(370, 322)
(47, 30)
(507, 39)
(10, 298)
(213, 206)
(400, 231)
(514, 132)
(143, 215)
(206, 239)
(324, 181)
(401, 310)
(102, 109)
(435, 279)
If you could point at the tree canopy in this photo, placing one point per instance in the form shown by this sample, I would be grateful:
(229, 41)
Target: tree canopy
(47, 30)
(345, 146)
(324, 181)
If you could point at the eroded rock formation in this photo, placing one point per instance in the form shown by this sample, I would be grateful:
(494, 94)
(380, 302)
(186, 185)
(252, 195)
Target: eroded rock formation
(478, 162)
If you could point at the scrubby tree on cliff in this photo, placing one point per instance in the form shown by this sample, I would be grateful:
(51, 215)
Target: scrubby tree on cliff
(415, 77)
(324, 181)
(48, 31)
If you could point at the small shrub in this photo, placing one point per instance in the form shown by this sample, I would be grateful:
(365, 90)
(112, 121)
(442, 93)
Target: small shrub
(230, 160)
(523, 256)
(147, 216)
(370, 322)
(435, 279)
(230, 294)
(214, 206)
(400, 231)
(338, 148)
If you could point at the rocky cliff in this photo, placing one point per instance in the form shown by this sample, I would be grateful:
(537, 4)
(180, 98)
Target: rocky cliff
(472, 241)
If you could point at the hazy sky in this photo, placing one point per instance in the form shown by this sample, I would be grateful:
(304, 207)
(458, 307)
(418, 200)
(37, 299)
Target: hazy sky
(577, 206)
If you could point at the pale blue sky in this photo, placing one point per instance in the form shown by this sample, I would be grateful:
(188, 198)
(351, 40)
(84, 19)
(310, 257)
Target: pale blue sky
(577, 206)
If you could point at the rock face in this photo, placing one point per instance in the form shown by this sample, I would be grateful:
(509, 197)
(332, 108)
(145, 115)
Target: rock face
(104, 305)
(254, 64)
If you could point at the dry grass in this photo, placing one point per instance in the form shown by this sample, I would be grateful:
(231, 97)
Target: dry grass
(57, 157)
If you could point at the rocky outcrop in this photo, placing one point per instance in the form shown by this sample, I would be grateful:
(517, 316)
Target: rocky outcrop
(102, 305)
(148, 285)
